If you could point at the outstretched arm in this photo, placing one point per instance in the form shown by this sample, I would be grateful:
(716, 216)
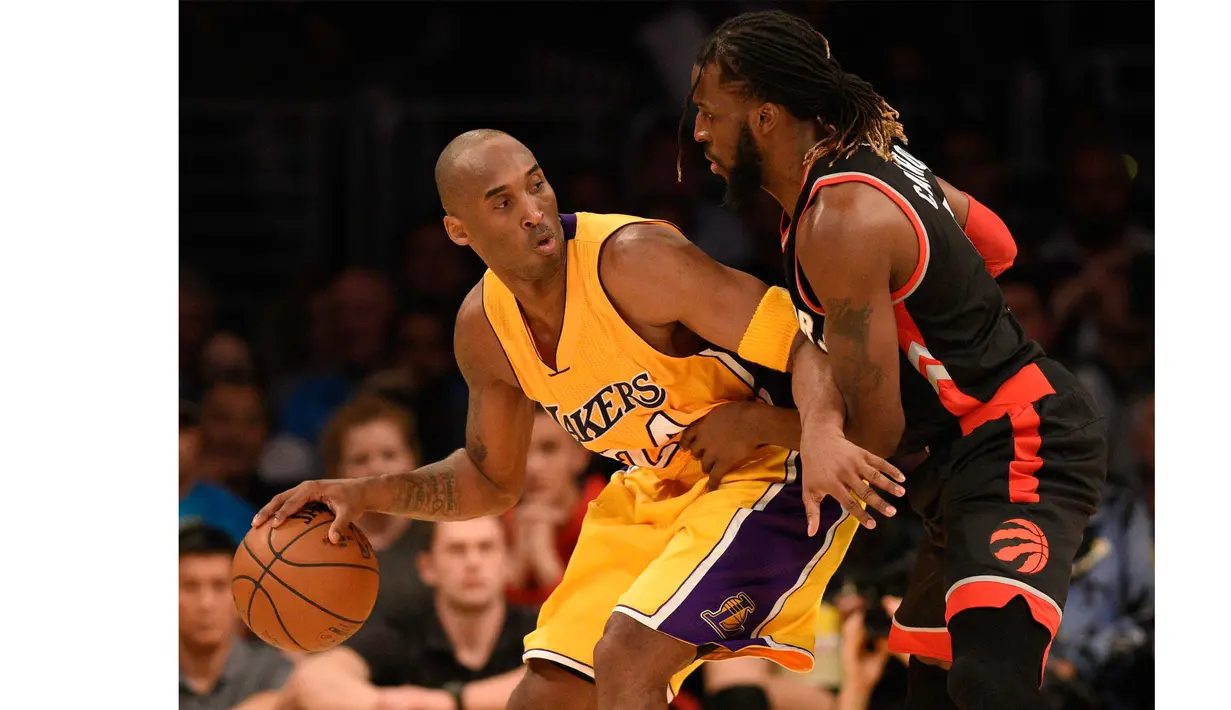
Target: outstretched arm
(655, 276)
(484, 478)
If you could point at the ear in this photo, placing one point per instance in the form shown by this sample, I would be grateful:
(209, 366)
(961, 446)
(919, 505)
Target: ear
(765, 117)
(457, 231)
(427, 572)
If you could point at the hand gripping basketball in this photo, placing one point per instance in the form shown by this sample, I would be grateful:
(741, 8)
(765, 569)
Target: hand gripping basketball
(835, 467)
(344, 498)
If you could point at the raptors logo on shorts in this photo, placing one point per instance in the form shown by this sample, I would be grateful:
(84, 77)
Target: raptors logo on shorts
(1021, 545)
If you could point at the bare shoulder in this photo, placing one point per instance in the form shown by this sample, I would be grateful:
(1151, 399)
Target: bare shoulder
(854, 219)
(480, 356)
(641, 267)
(640, 246)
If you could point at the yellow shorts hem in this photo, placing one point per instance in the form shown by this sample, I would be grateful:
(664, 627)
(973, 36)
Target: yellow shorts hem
(790, 657)
(560, 658)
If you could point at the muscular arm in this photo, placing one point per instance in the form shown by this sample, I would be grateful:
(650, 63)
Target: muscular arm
(485, 477)
(656, 276)
(845, 248)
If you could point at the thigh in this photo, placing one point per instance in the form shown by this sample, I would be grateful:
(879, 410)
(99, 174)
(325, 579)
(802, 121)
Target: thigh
(620, 536)
(741, 577)
(1021, 492)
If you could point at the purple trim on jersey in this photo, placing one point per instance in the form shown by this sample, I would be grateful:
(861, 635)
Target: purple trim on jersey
(569, 222)
(763, 561)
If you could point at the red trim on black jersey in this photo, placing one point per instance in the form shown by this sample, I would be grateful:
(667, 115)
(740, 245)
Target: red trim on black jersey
(910, 339)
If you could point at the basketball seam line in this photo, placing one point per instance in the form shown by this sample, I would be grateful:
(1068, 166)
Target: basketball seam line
(278, 557)
(269, 541)
(272, 606)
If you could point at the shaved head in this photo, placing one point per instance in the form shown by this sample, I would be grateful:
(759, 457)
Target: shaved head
(498, 202)
(453, 163)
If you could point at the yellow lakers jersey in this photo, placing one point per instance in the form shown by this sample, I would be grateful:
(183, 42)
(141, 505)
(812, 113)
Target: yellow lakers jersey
(612, 391)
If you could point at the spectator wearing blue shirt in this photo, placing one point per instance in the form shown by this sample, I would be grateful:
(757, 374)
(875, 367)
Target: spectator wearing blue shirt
(206, 502)
(1104, 648)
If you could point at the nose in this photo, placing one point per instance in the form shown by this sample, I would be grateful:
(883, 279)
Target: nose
(700, 133)
(533, 219)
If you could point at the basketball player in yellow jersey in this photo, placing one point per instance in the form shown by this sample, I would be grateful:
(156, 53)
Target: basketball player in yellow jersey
(626, 333)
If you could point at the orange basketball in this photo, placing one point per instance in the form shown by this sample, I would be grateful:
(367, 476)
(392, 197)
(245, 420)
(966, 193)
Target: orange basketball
(300, 592)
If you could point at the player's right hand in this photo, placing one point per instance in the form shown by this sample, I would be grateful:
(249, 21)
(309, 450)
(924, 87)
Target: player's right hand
(343, 497)
(834, 466)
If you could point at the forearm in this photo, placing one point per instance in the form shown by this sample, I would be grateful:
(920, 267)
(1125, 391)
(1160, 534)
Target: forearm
(454, 488)
(822, 404)
(816, 394)
(775, 426)
(491, 693)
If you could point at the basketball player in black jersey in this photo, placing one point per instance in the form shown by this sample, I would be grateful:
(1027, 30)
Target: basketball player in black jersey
(891, 271)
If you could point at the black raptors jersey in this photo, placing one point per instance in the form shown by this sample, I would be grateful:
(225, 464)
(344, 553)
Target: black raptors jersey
(957, 341)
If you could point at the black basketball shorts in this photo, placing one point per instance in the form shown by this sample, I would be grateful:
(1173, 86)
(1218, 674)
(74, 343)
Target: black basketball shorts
(1004, 508)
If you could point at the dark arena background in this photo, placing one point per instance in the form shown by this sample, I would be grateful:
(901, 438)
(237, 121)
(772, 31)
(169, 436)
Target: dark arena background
(315, 273)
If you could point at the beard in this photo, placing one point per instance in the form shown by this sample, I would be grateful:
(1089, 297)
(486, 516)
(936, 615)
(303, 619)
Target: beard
(744, 177)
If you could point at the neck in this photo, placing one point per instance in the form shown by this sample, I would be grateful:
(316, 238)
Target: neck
(202, 666)
(541, 300)
(783, 167)
(473, 632)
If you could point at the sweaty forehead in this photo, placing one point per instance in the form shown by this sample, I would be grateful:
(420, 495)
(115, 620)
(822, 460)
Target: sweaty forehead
(501, 160)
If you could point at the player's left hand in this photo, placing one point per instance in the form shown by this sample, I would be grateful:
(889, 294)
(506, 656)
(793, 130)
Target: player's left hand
(721, 439)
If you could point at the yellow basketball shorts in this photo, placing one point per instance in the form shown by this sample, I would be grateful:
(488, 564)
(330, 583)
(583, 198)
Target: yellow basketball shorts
(731, 571)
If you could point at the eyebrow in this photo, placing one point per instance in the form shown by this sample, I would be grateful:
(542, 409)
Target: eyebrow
(501, 188)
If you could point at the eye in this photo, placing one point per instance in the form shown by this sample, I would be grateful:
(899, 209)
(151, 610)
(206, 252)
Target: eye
(503, 203)
(538, 186)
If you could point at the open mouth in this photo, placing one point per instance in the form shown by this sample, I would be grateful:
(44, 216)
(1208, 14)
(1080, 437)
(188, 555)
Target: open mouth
(546, 244)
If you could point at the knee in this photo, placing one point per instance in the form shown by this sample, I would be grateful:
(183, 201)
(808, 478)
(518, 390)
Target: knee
(611, 651)
(631, 652)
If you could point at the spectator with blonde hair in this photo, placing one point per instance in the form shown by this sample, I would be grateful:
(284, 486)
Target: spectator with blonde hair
(370, 436)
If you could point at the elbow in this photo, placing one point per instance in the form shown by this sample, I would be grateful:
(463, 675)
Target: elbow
(502, 495)
(504, 501)
(1004, 259)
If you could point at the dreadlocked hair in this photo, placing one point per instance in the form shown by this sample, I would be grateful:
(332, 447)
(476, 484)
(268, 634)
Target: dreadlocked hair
(779, 58)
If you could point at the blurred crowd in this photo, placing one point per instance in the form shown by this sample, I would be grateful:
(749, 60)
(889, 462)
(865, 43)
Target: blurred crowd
(347, 370)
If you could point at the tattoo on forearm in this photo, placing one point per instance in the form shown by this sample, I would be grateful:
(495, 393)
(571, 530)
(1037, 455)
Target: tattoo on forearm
(427, 494)
(851, 322)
